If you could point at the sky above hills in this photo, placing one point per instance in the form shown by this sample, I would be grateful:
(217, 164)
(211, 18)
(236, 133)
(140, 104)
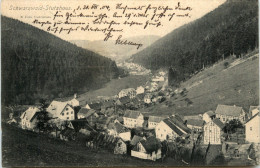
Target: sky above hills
(42, 10)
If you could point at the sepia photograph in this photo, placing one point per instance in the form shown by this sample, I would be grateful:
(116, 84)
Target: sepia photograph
(129, 83)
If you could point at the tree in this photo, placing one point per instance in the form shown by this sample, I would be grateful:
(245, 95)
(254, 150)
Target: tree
(232, 125)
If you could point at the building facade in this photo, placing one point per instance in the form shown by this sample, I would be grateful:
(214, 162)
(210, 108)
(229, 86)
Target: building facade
(253, 129)
(213, 132)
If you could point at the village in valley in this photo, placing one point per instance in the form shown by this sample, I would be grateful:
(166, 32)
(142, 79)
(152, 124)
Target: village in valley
(121, 124)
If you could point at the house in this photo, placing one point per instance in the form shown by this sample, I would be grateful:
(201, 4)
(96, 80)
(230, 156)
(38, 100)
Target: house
(123, 101)
(213, 131)
(133, 119)
(79, 124)
(226, 113)
(116, 128)
(61, 110)
(195, 124)
(127, 92)
(136, 139)
(171, 128)
(139, 90)
(252, 129)
(107, 104)
(85, 113)
(121, 147)
(252, 111)
(208, 116)
(153, 121)
(73, 102)
(148, 98)
(149, 149)
(95, 106)
(29, 118)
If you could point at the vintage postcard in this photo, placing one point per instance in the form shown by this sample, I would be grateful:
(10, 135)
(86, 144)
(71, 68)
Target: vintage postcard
(130, 83)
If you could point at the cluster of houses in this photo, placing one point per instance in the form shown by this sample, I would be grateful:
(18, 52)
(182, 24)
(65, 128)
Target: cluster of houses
(119, 123)
(134, 69)
(153, 130)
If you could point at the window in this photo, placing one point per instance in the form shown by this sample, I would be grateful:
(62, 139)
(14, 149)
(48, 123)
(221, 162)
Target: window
(72, 112)
(68, 118)
(224, 119)
(67, 109)
(67, 113)
(62, 114)
(250, 128)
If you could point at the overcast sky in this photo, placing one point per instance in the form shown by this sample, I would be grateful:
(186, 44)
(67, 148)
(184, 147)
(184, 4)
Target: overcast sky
(199, 8)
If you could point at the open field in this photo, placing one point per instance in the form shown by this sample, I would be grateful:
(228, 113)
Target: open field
(114, 87)
(235, 85)
(24, 148)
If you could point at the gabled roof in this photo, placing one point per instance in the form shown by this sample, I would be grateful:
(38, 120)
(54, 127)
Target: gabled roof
(86, 112)
(180, 123)
(151, 144)
(108, 103)
(210, 113)
(168, 122)
(229, 110)
(119, 128)
(95, 106)
(56, 107)
(30, 113)
(195, 122)
(125, 99)
(156, 119)
(252, 108)
(218, 123)
(135, 140)
(257, 114)
(79, 124)
(132, 114)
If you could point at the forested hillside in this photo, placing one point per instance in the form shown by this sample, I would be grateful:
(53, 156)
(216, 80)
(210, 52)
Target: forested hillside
(230, 29)
(36, 64)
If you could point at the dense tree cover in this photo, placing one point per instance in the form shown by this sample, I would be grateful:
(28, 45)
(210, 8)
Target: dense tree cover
(232, 125)
(230, 29)
(36, 64)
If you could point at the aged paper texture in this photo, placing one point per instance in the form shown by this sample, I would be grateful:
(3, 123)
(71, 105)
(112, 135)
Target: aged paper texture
(130, 83)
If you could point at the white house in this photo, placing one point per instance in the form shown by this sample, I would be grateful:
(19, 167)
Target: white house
(213, 131)
(149, 149)
(139, 90)
(253, 110)
(127, 92)
(208, 116)
(133, 119)
(253, 129)
(29, 118)
(153, 121)
(73, 102)
(148, 98)
(61, 110)
(226, 113)
(171, 128)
